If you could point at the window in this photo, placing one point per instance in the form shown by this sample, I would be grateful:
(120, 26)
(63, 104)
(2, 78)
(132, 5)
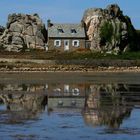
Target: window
(57, 43)
(75, 43)
(66, 43)
(73, 31)
(66, 89)
(60, 30)
(75, 92)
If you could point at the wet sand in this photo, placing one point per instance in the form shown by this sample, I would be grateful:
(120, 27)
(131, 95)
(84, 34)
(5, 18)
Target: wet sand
(70, 77)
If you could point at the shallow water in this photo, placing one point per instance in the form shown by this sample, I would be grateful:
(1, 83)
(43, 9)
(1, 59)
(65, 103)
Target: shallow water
(59, 110)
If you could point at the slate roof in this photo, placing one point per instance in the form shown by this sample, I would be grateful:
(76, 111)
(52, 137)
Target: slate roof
(55, 31)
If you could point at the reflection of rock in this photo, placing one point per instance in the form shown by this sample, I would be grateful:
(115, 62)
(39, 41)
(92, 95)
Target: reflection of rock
(30, 102)
(110, 89)
(108, 116)
(106, 106)
(24, 106)
(23, 87)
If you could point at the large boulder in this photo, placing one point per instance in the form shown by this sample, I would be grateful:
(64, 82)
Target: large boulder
(108, 29)
(24, 32)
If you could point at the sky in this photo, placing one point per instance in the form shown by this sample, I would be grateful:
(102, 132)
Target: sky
(66, 11)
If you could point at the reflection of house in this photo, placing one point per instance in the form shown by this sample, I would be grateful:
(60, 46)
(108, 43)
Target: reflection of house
(66, 97)
(66, 37)
(71, 90)
(65, 103)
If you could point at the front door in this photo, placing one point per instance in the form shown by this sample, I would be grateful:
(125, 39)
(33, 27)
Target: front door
(66, 45)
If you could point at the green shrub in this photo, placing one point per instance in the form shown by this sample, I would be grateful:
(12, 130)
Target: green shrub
(106, 32)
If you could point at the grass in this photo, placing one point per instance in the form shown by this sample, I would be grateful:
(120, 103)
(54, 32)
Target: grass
(38, 54)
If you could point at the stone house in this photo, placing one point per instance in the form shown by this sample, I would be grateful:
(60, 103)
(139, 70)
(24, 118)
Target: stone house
(66, 37)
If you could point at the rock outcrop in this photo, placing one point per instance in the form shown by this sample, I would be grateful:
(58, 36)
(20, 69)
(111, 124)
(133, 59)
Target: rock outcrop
(108, 29)
(22, 32)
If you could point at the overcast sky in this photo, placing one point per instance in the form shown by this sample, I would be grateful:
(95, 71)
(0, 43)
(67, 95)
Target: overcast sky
(65, 11)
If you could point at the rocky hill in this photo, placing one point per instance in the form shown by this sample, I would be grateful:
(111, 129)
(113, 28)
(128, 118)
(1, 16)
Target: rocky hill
(23, 31)
(108, 29)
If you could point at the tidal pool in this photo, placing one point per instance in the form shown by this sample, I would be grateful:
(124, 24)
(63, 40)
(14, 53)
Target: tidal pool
(67, 107)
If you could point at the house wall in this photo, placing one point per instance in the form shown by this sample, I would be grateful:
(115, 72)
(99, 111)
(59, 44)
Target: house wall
(61, 48)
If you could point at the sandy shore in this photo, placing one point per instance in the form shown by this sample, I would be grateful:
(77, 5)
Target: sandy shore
(70, 69)
(33, 65)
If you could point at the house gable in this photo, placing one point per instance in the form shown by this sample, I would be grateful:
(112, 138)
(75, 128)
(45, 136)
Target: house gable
(66, 31)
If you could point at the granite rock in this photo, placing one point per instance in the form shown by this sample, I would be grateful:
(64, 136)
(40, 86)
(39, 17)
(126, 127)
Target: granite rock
(108, 29)
(24, 30)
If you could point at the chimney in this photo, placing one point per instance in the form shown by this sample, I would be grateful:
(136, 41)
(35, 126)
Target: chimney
(49, 24)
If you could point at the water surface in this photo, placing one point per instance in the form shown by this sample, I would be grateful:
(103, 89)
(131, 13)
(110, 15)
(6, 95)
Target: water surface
(67, 107)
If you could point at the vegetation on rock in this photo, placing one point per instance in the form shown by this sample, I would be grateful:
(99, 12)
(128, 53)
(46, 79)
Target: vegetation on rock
(106, 32)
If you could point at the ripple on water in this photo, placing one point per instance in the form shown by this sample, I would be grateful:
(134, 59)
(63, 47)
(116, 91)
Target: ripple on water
(25, 137)
(128, 131)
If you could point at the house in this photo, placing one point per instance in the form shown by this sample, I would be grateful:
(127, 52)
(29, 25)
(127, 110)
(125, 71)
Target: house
(66, 37)
(66, 97)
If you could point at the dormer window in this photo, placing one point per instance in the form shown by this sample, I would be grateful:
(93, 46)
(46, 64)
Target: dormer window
(60, 30)
(73, 31)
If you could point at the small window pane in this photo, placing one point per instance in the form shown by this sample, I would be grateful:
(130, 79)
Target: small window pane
(75, 43)
(57, 43)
